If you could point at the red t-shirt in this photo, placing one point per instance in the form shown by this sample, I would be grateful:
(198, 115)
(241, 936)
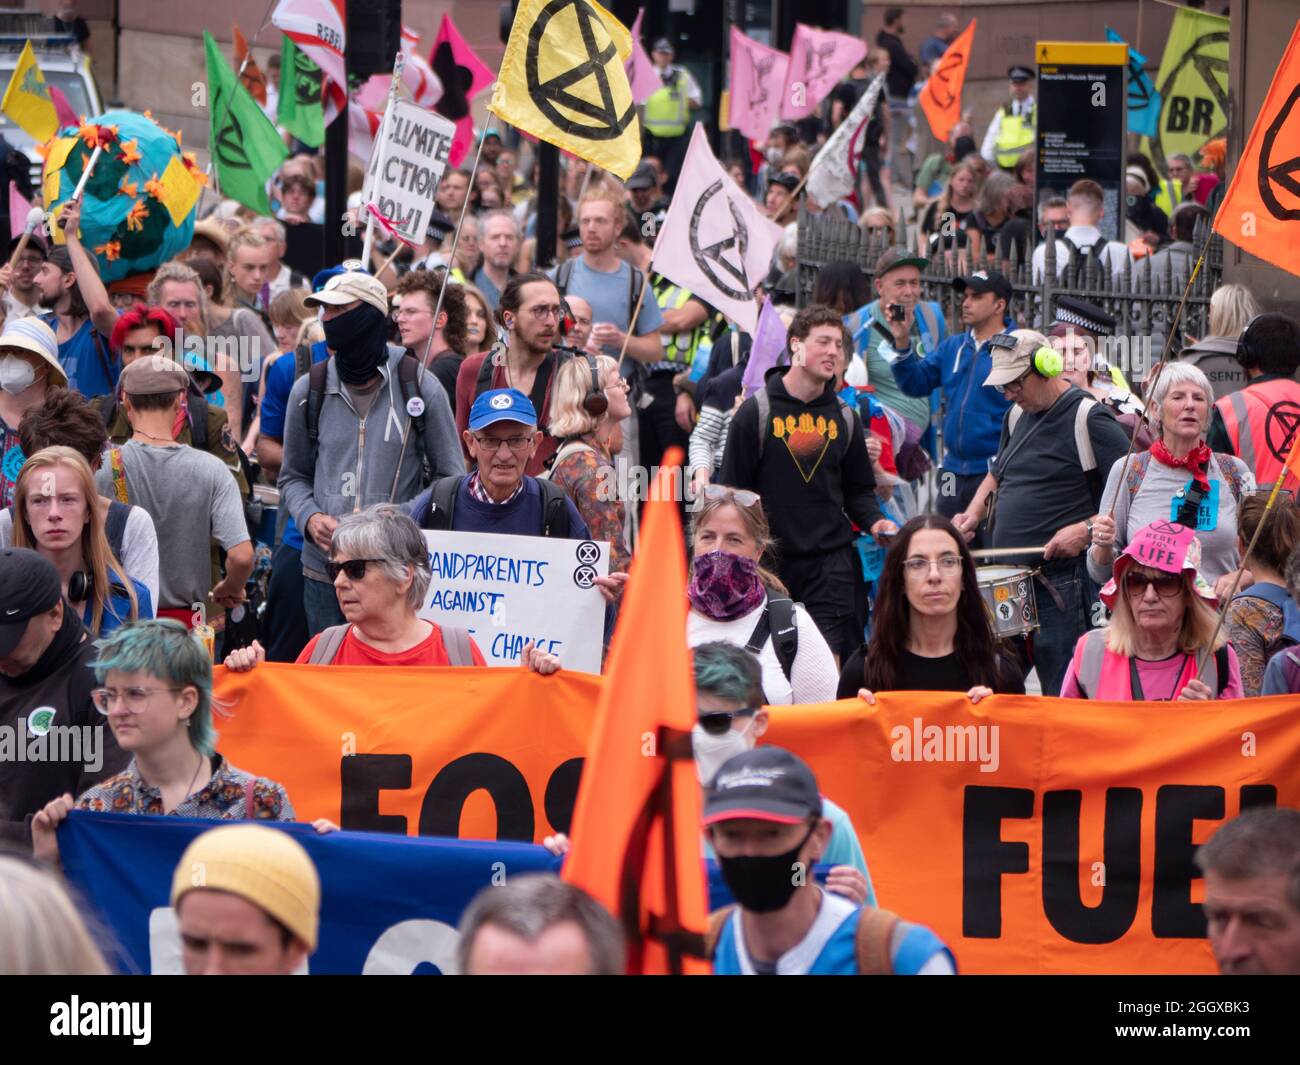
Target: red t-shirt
(467, 381)
(428, 652)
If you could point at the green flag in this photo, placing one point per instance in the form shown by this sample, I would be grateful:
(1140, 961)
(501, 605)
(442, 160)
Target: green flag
(246, 149)
(299, 110)
(1193, 85)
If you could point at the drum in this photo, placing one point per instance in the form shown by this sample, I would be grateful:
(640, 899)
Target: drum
(1008, 593)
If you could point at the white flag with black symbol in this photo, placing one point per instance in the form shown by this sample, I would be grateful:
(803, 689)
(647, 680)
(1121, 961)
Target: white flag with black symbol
(835, 169)
(714, 241)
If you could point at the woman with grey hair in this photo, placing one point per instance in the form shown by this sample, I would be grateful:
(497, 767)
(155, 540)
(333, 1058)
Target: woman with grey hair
(1178, 480)
(379, 564)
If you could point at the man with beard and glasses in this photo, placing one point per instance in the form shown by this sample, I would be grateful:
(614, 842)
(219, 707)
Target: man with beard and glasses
(764, 817)
(365, 426)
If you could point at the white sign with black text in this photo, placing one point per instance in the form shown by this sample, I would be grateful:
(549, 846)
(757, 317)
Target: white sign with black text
(405, 167)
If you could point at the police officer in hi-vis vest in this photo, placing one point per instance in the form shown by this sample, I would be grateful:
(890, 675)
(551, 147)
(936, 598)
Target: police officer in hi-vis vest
(667, 115)
(1014, 125)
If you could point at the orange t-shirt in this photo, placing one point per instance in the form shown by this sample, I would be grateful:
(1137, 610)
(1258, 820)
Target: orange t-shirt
(428, 652)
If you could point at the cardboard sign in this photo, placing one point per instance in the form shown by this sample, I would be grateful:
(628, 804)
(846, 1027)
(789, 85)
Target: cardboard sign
(406, 166)
(512, 590)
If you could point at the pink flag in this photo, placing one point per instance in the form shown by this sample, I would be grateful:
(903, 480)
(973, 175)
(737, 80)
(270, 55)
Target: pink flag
(757, 78)
(818, 60)
(66, 115)
(319, 29)
(463, 76)
(19, 208)
(767, 349)
(641, 72)
(713, 241)
(363, 127)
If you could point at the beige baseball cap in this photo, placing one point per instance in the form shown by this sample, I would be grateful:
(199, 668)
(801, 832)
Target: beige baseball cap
(353, 285)
(1011, 363)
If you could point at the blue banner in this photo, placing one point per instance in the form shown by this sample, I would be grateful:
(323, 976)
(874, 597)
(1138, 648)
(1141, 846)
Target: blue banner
(1143, 97)
(390, 904)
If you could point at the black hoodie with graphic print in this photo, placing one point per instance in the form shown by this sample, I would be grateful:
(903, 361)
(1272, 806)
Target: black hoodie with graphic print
(813, 474)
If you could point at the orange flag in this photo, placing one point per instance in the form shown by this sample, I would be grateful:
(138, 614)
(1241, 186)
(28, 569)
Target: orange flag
(1261, 212)
(941, 96)
(252, 77)
(636, 826)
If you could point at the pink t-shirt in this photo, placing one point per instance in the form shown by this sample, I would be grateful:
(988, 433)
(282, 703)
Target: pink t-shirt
(1159, 679)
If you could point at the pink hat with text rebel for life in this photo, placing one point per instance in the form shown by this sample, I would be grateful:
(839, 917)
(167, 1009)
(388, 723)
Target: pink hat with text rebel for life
(1162, 545)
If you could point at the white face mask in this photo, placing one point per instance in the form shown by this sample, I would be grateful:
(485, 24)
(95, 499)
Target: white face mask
(775, 155)
(16, 374)
(712, 751)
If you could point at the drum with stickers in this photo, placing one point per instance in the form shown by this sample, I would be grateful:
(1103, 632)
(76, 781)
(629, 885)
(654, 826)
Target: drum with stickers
(1008, 593)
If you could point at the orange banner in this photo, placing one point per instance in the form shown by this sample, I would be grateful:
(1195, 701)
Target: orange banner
(941, 94)
(1033, 835)
(479, 753)
(1261, 210)
(1047, 835)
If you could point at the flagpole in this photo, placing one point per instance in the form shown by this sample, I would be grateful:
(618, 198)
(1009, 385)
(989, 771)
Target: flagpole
(631, 325)
(1250, 547)
(399, 61)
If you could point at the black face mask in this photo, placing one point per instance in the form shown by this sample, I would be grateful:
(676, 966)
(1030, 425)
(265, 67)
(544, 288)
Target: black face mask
(358, 339)
(763, 884)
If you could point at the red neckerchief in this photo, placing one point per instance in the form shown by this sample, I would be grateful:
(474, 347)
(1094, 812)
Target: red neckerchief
(1196, 462)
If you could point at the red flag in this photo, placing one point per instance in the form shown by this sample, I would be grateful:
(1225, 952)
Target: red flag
(636, 824)
(319, 29)
(251, 77)
(941, 94)
(463, 76)
(67, 116)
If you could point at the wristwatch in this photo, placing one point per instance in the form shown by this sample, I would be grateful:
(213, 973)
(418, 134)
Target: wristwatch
(1088, 525)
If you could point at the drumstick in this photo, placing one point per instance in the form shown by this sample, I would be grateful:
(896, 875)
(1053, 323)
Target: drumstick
(1006, 552)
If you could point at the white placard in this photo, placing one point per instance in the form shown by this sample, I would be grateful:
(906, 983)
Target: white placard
(406, 165)
(512, 590)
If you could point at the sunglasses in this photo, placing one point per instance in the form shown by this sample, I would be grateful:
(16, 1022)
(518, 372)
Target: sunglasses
(1167, 585)
(717, 723)
(355, 568)
(742, 496)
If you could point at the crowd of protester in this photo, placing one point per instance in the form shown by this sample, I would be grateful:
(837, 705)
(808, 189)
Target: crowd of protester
(163, 514)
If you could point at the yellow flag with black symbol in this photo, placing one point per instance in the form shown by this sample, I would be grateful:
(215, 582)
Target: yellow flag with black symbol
(562, 79)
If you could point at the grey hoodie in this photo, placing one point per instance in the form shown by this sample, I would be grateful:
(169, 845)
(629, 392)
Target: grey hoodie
(357, 466)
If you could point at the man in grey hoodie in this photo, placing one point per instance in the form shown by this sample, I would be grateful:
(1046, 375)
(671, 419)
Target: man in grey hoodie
(361, 428)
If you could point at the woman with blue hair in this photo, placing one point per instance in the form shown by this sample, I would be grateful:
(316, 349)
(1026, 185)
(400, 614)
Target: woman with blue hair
(156, 691)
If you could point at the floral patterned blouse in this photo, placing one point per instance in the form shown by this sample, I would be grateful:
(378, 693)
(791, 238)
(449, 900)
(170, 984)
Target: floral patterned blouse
(11, 462)
(1252, 626)
(589, 478)
(223, 798)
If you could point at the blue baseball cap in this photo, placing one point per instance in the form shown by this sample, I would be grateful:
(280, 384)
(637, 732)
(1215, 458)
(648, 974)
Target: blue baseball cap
(321, 277)
(502, 405)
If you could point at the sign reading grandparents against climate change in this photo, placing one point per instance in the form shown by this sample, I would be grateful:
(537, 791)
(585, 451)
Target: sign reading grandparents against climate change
(512, 590)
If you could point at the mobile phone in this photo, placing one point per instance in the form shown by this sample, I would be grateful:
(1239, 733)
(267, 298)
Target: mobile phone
(895, 311)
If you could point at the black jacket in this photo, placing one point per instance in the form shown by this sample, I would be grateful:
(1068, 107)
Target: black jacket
(813, 480)
(902, 72)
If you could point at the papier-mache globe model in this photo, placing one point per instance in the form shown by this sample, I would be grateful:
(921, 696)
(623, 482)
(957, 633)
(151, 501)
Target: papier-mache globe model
(138, 206)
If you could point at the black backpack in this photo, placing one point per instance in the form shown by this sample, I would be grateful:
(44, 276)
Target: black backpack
(441, 511)
(408, 370)
(778, 621)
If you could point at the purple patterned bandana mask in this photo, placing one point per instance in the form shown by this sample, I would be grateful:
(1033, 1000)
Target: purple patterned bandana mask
(725, 586)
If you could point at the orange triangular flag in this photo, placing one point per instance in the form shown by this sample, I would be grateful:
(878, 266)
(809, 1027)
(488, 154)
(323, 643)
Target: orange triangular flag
(636, 825)
(1261, 212)
(941, 94)
(252, 77)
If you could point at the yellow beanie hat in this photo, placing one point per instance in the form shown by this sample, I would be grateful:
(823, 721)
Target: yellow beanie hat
(265, 866)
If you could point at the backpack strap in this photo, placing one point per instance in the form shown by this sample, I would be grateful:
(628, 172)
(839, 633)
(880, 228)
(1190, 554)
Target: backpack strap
(119, 475)
(1222, 666)
(115, 526)
(569, 447)
(1087, 456)
(316, 378)
(555, 510)
(562, 277)
(764, 404)
(408, 368)
(777, 622)
(301, 360)
(853, 424)
(635, 281)
(250, 810)
(442, 503)
(483, 382)
(104, 360)
(456, 642)
(327, 645)
(1137, 469)
(197, 403)
(872, 939)
(1231, 473)
(717, 920)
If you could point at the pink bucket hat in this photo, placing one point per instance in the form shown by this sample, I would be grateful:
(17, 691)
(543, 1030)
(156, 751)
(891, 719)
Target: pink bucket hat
(1162, 545)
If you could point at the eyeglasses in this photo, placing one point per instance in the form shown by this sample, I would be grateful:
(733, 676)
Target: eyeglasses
(742, 496)
(1167, 585)
(1017, 383)
(134, 699)
(541, 313)
(920, 567)
(716, 723)
(492, 444)
(355, 568)
(409, 312)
